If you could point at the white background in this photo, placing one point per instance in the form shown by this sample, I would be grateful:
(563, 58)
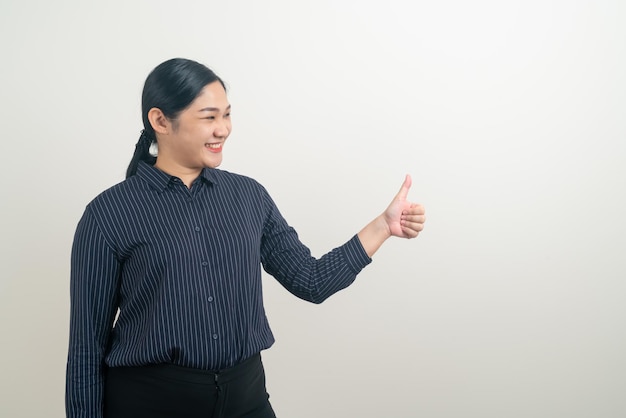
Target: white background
(510, 116)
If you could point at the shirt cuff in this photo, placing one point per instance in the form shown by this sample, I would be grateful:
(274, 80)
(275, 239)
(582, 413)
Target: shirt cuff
(355, 254)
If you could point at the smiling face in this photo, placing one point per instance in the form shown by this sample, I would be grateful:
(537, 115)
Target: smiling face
(195, 139)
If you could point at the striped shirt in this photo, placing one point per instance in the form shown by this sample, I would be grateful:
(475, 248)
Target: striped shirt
(181, 269)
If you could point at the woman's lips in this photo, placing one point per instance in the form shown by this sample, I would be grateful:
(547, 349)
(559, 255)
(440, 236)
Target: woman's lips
(215, 148)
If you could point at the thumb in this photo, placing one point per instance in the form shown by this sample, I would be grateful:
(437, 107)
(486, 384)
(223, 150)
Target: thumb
(404, 190)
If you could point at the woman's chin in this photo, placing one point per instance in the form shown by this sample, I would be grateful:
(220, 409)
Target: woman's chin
(213, 162)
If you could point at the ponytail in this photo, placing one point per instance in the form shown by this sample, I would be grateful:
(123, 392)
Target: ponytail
(142, 152)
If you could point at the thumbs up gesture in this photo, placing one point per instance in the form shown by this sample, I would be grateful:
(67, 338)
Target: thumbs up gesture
(404, 219)
(401, 219)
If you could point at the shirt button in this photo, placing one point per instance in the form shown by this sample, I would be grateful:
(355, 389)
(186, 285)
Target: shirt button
(215, 336)
(204, 264)
(197, 228)
(210, 299)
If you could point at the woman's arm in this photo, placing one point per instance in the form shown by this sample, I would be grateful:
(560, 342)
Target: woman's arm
(290, 262)
(93, 289)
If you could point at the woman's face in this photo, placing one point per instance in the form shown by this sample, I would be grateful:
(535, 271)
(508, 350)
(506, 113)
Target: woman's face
(197, 136)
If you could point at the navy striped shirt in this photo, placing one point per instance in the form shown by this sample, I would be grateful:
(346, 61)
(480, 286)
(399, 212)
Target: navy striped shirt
(183, 266)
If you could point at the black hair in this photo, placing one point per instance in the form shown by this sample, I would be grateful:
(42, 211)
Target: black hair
(170, 87)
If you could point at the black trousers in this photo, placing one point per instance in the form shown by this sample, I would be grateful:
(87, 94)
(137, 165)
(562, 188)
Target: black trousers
(168, 391)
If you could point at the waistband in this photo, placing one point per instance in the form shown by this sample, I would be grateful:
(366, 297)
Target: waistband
(193, 375)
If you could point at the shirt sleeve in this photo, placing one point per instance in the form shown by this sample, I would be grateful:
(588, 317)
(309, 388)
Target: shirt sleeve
(93, 288)
(286, 258)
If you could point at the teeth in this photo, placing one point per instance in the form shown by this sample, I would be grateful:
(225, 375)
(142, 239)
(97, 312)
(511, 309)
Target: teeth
(214, 145)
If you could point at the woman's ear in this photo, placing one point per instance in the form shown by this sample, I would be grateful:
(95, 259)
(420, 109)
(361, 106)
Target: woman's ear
(159, 122)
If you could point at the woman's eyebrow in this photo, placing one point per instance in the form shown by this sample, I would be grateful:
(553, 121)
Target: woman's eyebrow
(212, 109)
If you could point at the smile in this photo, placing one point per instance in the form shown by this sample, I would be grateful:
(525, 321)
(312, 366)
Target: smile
(217, 147)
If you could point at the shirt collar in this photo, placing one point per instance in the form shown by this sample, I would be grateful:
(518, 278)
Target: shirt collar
(160, 179)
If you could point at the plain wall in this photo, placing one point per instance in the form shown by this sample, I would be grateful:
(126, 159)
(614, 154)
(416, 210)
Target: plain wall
(509, 115)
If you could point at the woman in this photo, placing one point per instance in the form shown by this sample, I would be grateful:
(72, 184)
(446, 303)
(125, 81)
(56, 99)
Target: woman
(178, 248)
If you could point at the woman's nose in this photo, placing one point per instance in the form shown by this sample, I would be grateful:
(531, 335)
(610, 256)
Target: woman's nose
(222, 129)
